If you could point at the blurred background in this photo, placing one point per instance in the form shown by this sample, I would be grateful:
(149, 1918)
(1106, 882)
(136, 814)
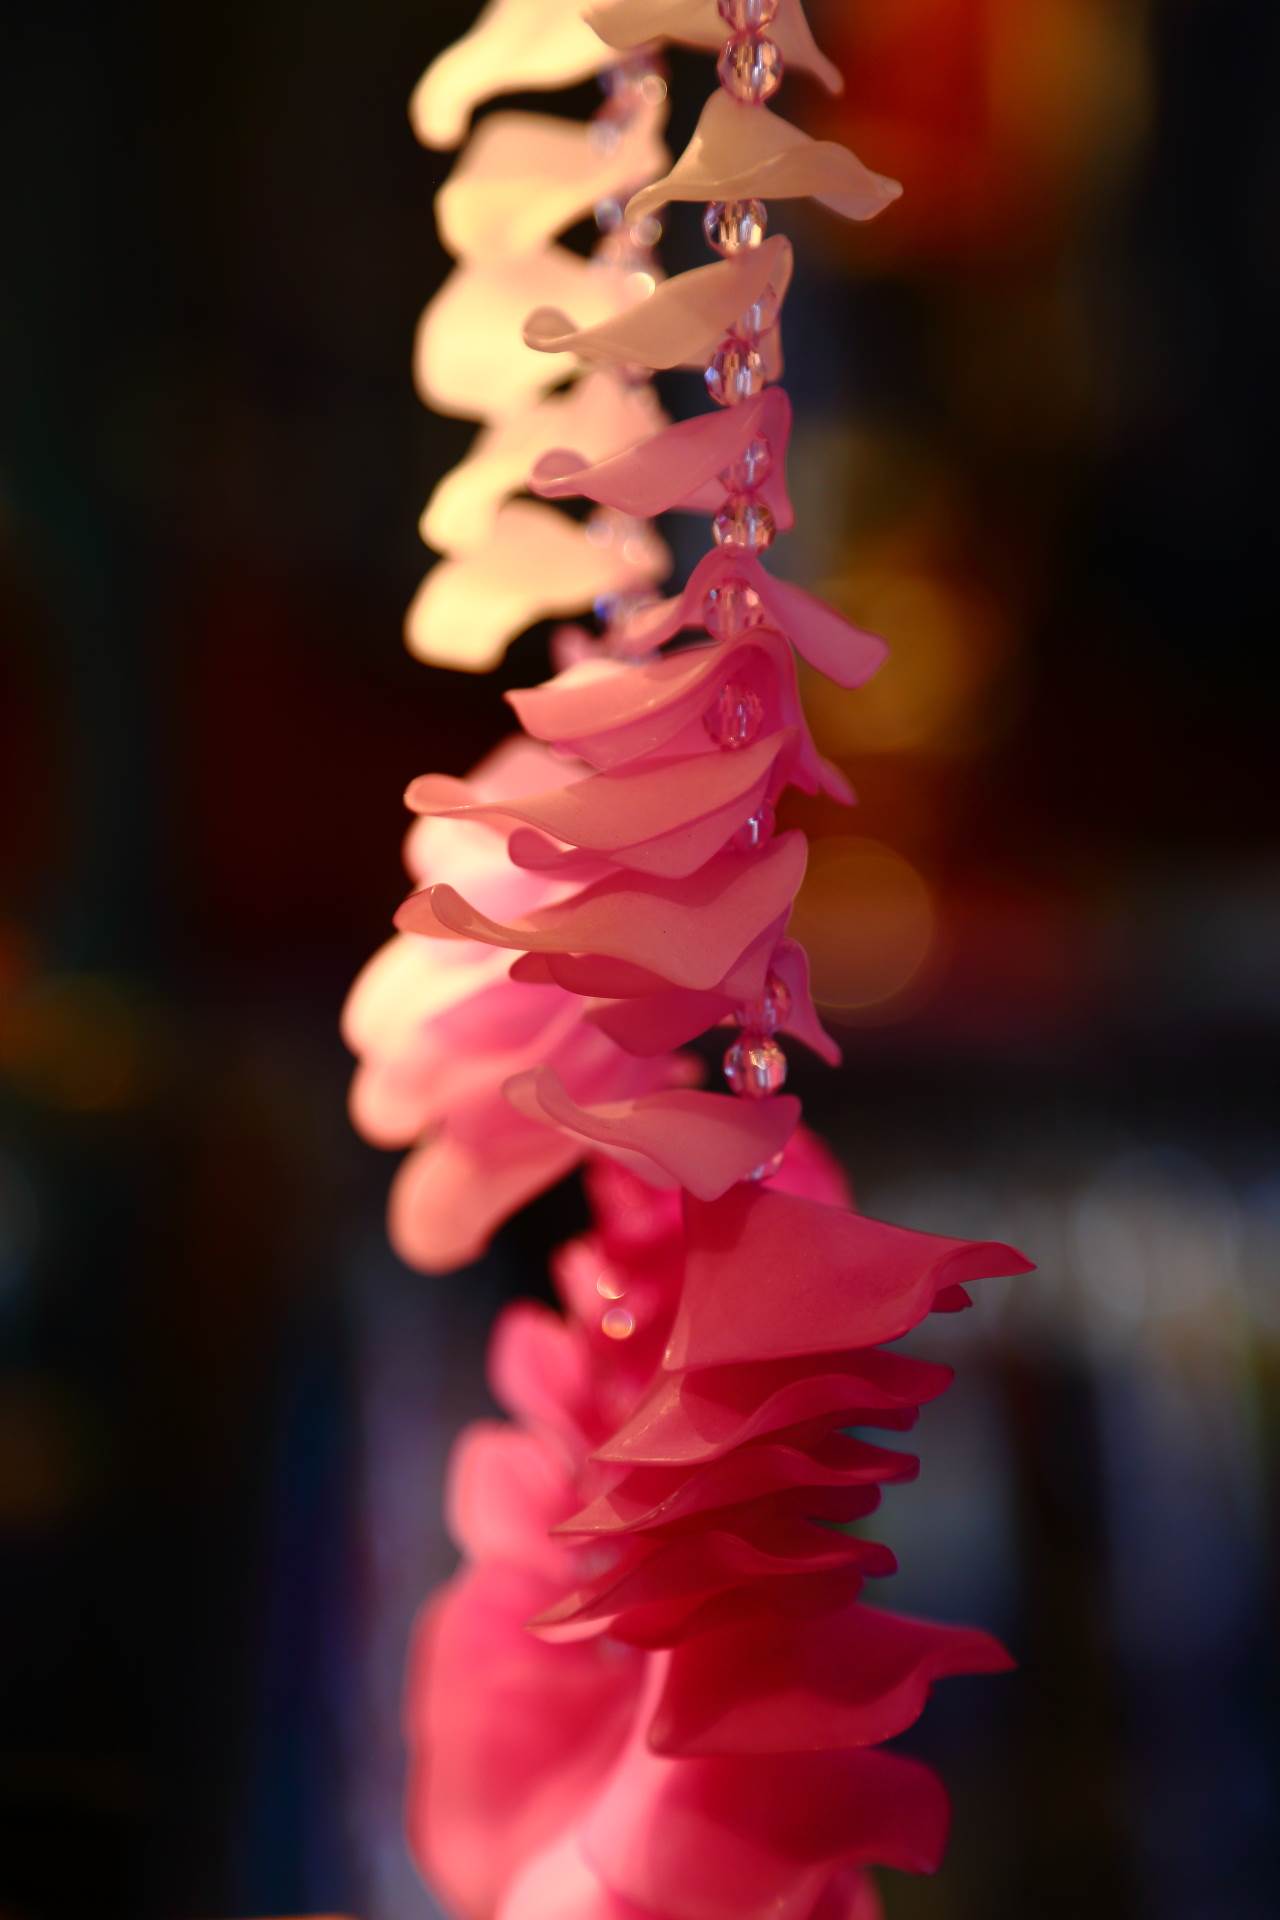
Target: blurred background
(1034, 452)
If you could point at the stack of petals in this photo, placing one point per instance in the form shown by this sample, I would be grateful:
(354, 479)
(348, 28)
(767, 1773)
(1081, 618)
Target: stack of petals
(655, 1690)
(690, 1730)
(523, 180)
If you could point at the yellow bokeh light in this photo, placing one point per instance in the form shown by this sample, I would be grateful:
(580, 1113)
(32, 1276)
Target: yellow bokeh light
(868, 921)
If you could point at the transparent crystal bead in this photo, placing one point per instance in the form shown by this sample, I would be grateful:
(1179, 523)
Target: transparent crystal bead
(761, 317)
(736, 372)
(770, 1012)
(735, 226)
(755, 1066)
(731, 609)
(751, 468)
(745, 524)
(748, 16)
(619, 1323)
(750, 70)
(756, 832)
(735, 717)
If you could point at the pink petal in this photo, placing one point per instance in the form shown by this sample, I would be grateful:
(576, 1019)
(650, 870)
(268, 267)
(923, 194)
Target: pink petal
(675, 468)
(539, 1372)
(537, 564)
(651, 1497)
(829, 642)
(679, 324)
(689, 932)
(449, 1197)
(627, 24)
(768, 1684)
(691, 1417)
(559, 1884)
(747, 153)
(610, 714)
(514, 45)
(758, 1838)
(654, 1598)
(598, 414)
(505, 1491)
(705, 1142)
(523, 178)
(507, 1736)
(470, 357)
(768, 1276)
(668, 817)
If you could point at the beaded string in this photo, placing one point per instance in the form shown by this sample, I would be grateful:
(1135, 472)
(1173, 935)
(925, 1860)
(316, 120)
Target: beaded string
(750, 68)
(629, 88)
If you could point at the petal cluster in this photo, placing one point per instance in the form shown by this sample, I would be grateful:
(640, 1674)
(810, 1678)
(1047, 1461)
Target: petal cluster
(690, 1730)
(655, 1689)
(523, 180)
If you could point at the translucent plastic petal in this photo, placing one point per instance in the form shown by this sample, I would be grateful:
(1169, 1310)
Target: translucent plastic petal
(514, 45)
(747, 153)
(768, 1276)
(537, 564)
(681, 466)
(703, 1142)
(626, 24)
(525, 177)
(678, 325)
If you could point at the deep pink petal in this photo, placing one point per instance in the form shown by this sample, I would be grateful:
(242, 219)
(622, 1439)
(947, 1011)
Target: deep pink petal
(758, 1839)
(508, 1737)
(688, 931)
(676, 466)
(769, 1684)
(768, 1276)
(687, 1418)
(655, 1497)
(703, 1142)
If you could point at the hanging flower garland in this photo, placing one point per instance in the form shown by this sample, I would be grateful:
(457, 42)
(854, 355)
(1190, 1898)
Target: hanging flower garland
(655, 1687)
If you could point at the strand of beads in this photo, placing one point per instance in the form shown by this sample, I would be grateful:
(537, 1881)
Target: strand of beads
(750, 69)
(632, 87)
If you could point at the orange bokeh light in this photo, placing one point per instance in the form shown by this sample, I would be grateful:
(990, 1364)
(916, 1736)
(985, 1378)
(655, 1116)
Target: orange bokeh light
(868, 920)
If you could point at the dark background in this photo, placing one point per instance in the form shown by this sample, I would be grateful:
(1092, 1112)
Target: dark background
(1034, 447)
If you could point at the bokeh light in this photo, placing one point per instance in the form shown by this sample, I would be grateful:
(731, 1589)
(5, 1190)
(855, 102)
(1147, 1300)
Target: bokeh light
(868, 920)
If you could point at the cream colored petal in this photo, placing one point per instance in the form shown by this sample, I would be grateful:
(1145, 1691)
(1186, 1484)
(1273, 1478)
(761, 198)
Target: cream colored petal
(599, 416)
(515, 44)
(525, 177)
(745, 153)
(697, 23)
(678, 325)
(538, 564)
(469, 356)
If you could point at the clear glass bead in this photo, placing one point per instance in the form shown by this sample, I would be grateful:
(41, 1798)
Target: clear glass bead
(748, 16)
(745, 524)
(619, 1323)
(770, 1012)
(736, 372)
(761, 317)
(755, 1067)
(735, 226)
(734, 717)
(608, 214)
(751, 468)
(750, 70)
(731, 609)
(756, 832)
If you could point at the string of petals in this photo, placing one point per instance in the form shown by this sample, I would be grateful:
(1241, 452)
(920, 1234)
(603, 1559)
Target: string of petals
(655, 1689)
